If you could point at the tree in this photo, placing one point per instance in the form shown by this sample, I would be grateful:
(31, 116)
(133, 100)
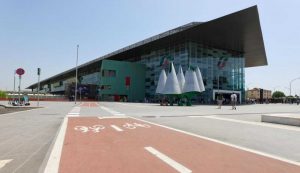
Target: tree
(278, 94)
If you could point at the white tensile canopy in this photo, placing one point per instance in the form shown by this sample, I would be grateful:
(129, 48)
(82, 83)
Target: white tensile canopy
(172, 84)
(191, 82)
(180, 77)
(200, 79)
(161, 82)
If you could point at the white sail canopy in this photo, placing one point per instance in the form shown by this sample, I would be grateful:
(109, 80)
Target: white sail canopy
(172, 84)
(161, 82)
(191, 82)
(180, 77)
(200, 79)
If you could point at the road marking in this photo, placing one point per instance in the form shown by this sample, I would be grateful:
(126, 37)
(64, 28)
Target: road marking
(116, 113)
(95, 128)
(11, 113)
(116, 128)
(4, 162)
(74, 112)
(285, 127)
(135, 125)
(180, 168)
(112, 117)
(225, 143)
(54, 159)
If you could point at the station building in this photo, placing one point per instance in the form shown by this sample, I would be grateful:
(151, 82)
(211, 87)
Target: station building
(222, 48)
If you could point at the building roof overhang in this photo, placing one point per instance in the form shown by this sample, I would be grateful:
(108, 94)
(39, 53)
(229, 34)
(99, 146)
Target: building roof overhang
(239, 32)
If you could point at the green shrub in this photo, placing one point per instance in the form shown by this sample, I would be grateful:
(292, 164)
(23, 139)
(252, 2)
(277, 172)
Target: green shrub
(3, 94)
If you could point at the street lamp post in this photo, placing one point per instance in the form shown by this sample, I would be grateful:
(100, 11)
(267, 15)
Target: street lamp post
(76, 75)
(291, 84)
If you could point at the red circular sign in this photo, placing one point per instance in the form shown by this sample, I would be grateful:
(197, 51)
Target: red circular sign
(20, 71)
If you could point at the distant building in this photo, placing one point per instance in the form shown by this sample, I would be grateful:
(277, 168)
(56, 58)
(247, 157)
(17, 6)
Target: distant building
(222, 48)
(255, 93)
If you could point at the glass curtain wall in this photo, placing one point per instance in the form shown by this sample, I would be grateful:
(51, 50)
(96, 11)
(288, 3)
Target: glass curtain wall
(221, 69)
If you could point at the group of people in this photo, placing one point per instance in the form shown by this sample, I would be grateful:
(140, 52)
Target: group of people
(233, 99)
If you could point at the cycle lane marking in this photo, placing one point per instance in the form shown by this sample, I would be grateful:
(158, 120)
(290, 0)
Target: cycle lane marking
(179, 167)
(115, 113)
(117, 128)
(52, 165)
(4, 162)
(75, 112)
(106, 151)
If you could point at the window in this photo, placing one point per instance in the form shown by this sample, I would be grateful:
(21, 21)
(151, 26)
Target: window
(105, 87)
(109, 73)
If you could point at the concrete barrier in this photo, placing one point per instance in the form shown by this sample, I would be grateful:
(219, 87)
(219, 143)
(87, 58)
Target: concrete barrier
(286, 119)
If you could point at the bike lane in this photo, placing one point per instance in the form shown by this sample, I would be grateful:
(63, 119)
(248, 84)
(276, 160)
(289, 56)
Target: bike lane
(128, 145)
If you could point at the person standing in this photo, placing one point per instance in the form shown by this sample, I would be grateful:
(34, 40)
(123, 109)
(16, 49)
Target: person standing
(233, 100)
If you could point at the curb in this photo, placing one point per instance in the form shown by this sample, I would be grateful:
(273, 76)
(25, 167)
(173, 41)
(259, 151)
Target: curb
(51, 161)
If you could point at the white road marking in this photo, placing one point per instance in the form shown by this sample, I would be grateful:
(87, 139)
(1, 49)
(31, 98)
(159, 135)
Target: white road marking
(11, 113)
(116, 113)
(279, 126)
(4, 162)
(116, 128)
(225, 143)
(111, 117)
(54, 159)
(74, 112)
(180, 168)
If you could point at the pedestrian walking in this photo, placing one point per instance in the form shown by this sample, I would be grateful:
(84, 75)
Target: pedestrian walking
(220, 100)
(233, 100)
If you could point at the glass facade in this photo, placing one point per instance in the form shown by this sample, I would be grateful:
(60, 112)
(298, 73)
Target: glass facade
(222, 70)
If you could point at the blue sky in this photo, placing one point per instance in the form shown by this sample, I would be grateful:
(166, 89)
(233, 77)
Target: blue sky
(44, 34)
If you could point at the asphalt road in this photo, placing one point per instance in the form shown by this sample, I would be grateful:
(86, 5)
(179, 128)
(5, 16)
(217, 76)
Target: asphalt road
(26, 137)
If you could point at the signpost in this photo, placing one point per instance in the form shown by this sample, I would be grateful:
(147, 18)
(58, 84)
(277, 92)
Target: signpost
(38, 88)
(20, 72)
(76, 75)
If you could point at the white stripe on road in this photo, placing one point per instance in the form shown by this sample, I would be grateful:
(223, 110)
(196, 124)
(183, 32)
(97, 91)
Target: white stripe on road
(279, 126)
(74, 112)
(180, 168)
(116, 128)
(54, 159)
(111, 117)
(4, 162)
(116, 113)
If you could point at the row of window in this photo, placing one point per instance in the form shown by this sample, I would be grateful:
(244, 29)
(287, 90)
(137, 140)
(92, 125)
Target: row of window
(108, 73)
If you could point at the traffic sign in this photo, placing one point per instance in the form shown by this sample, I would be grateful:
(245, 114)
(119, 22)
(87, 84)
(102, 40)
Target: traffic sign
(39, 71)
(20, 71)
